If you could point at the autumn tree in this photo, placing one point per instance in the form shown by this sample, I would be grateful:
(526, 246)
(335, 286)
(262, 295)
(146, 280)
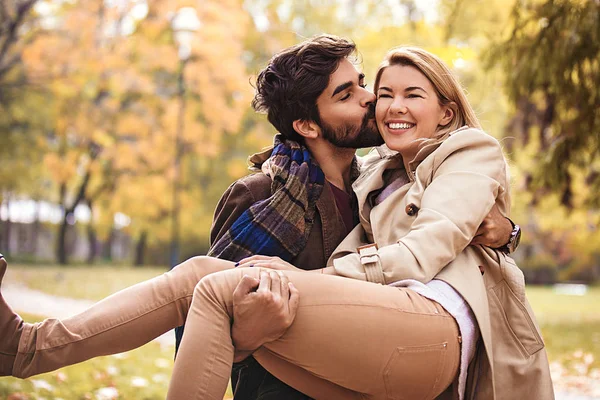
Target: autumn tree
(550, 55)
(122, 97)
(20, 129)
(552, 63)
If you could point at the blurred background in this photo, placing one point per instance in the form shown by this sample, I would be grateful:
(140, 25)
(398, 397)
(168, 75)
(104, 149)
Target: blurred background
(123, 121)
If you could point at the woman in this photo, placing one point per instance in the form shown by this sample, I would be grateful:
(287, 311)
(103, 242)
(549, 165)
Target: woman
(422, 206)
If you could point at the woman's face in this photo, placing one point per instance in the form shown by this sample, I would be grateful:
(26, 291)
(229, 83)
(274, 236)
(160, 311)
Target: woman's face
(408, 109)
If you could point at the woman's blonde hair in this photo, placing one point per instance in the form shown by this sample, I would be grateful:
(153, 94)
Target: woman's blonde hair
(449, 91)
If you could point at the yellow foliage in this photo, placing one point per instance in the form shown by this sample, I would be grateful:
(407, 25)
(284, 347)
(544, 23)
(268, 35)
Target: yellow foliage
(62, 170)
(236, 170)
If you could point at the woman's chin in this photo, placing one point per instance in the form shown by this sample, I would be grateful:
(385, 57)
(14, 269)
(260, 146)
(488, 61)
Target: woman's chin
(396, 144)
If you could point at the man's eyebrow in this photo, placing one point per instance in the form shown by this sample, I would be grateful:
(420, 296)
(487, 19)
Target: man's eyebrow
(341, 87)
(346, 85)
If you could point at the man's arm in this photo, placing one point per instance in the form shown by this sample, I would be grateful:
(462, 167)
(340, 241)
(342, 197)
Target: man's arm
(237, 198)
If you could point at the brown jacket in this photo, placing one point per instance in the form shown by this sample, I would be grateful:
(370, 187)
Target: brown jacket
(423, 230)
(327, 232)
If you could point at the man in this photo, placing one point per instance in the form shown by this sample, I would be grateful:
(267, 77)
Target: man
(313, 95)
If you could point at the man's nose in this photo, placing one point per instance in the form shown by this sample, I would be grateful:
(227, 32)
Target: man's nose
(368, 98)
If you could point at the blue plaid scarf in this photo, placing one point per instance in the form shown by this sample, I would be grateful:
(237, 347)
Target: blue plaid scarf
(279, 225)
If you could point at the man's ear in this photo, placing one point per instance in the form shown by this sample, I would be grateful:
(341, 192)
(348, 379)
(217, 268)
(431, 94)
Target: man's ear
(307, 129)
(448, 115)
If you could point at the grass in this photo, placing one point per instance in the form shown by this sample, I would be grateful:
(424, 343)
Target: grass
(140, 374)
(570, 327)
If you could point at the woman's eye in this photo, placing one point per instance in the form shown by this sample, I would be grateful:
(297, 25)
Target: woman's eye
(414, 96)
(381, 96)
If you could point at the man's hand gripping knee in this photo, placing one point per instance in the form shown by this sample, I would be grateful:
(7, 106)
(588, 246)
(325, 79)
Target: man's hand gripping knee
(263, 310)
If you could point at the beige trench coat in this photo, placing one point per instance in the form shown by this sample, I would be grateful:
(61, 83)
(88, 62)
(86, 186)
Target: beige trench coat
(423, 231)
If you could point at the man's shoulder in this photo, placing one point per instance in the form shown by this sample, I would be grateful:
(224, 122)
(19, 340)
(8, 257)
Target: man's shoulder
(257, 184)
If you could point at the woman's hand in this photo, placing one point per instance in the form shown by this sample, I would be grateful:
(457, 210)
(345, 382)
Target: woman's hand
(267, 262)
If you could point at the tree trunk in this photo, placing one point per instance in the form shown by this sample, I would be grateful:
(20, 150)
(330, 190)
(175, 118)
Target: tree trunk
(107, 248)
(93, 240)
(36, 230)
(7, 229)
(61, 249)
(92, 236)
(140, 249)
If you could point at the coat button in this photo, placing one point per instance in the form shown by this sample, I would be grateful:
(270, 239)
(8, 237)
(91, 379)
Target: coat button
(412, 210)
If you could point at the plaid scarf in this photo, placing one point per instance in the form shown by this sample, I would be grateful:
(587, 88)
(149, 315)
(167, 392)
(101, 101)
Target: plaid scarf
(279, 225)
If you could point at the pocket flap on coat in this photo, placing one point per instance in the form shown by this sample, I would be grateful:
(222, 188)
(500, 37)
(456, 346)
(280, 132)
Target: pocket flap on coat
(518, 318)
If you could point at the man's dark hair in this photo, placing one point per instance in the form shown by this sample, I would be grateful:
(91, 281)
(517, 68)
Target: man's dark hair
(287, 89)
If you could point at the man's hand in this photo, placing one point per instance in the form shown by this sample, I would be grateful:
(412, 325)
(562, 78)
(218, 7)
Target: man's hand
(494, 231)
(275, 263)
(262, 311)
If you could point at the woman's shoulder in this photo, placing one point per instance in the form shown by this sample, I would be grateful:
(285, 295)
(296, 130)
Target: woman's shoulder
(470, 136)
(468, 139)
(470, 149)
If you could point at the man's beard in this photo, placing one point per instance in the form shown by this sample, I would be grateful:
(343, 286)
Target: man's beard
(352, 136)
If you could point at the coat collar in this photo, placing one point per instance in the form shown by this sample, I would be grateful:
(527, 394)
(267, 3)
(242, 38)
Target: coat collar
(378, 161)
(256, 160)
(429, 147)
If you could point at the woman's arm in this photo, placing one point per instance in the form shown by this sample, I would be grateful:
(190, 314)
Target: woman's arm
(468, 174)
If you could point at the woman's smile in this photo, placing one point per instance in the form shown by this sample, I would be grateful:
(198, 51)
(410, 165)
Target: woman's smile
(397, 127)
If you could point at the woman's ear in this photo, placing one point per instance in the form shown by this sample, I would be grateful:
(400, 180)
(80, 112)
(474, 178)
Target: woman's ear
(306, 128)
(449, 113)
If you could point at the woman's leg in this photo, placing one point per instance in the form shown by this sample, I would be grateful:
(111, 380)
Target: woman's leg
(367, 340)
(123, 321)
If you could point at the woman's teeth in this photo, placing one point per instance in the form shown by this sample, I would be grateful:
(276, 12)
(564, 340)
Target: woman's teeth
(400, 125)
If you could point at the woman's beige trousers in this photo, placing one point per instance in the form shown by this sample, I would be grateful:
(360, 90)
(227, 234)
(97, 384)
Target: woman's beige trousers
(350, 339)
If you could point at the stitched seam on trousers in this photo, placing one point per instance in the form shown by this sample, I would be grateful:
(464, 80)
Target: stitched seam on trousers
(402, 351)
(379, 307)
(442, 364)
(106, 329)
(19, 361)
(203, 389)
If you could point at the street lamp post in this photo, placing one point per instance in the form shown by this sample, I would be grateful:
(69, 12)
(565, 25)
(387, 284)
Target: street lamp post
(184, 24)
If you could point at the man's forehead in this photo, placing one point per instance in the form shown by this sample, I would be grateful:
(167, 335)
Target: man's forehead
(345, 72)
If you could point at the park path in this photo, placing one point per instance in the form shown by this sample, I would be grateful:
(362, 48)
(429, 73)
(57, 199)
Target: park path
(25, 300)
(30, 301)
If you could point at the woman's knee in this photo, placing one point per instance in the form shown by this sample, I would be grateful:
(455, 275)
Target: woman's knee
(201, 266)
(219, 286)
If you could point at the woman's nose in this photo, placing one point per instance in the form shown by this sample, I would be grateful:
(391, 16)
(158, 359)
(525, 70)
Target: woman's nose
(398, 106)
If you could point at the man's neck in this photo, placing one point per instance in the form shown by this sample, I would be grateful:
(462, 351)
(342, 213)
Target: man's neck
(334, 161)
